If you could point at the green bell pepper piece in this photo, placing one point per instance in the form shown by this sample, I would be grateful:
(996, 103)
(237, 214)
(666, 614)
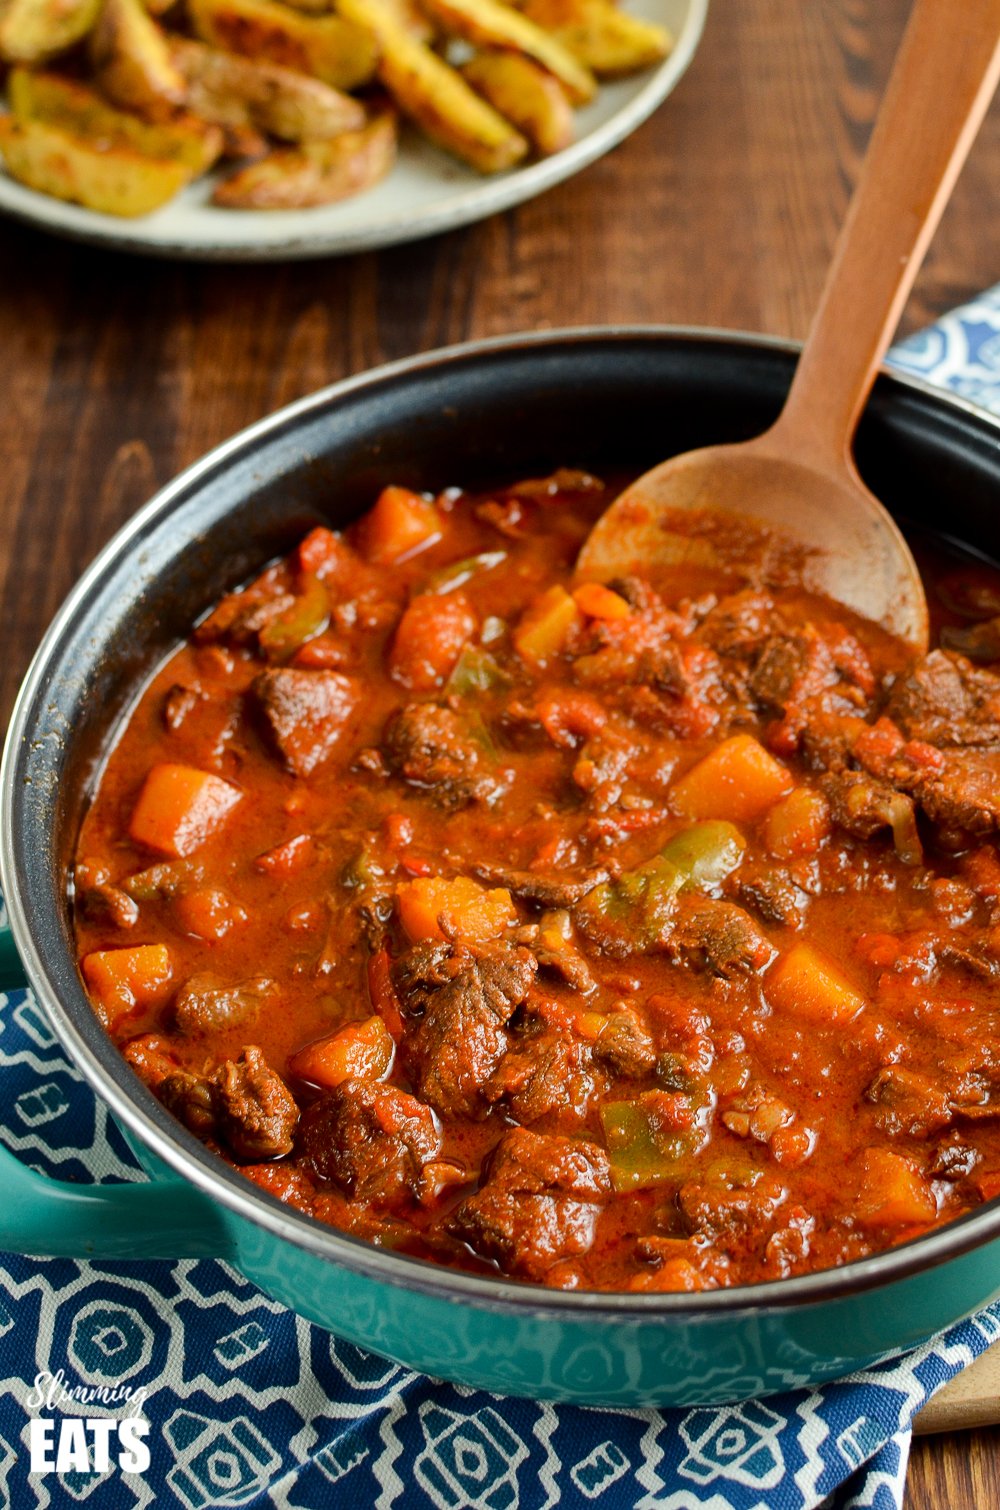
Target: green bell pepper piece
(307, 617)
(642, 1152)
(705, 853)
(636, 907)
(476, 671)
(460, 572)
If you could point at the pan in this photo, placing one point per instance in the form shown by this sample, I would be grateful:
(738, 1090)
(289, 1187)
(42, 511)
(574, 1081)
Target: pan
(608, 400)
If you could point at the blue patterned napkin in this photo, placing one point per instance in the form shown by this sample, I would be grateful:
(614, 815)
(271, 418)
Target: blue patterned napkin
(249, 1405)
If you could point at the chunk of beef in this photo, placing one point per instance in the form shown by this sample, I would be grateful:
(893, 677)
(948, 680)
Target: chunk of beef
(908, 1101)
(109, 904)
(865, 806)
(206, 1004)
(371, 1140)
(730, 1212)
(957, 788)
(785, 664)
(534, 1163)
(652, 647)
(243, 1102)
(546, 890)
(602, 769)
(945, 700)
(191, 1099)
(240, 616)
(545, 1074)
(738, 625)
(821, 669)
(827, 742)
(462, 1000)
(636, 591)
(201, 723)
(719, 937)
(954, 1159)
(306, 712)
(152, 1057)
(965, 793)
(432, 746)
(255, 1110)
(624, 1044)
(539, 1203)
(555, 951)
(979, 959)
(770, 892)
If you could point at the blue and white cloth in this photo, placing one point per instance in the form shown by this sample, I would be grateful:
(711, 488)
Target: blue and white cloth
(961, 352)
(249, 1405)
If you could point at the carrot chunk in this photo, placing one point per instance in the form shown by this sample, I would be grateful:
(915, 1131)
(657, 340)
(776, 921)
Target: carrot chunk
(208, 913)
(805, 984)
(738, 780)
(429, 640)
(359, 1051)
(797, 825)
(321, 551)
(400, 524)
(287, 859)
(120, 980)
(467, 910)
(180, 807)
(600, 602)
(546, 626)
(893, 1193)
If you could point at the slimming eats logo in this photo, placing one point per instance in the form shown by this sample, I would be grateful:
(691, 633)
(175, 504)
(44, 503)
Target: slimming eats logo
(76, 1443)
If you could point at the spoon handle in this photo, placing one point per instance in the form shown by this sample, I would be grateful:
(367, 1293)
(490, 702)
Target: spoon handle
(941, 85)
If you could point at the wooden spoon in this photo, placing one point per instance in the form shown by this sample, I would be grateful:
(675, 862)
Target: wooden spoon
(799, 477)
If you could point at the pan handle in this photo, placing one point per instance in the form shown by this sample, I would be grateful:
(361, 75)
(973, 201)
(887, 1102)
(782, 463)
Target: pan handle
(148, 1219)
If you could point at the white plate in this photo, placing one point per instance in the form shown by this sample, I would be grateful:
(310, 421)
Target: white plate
(426, 192)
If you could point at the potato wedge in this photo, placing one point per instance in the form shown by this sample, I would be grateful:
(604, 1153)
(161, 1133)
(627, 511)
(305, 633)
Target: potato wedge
(328, 47)
(32, 31)
(50, 100)
(435, 95)
(413, 18)
(237, 91)
(131, 60)
(117, 180)
(606, 40)
(528, 96)
(315, 173)
(489, 23)
(241, 141)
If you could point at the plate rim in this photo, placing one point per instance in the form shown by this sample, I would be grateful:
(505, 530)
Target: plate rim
(451, 211)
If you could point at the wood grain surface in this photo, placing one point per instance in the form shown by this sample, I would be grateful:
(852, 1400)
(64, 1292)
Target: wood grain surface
(721, 211)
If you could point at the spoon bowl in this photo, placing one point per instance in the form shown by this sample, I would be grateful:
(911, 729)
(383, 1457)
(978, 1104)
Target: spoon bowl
(798, 480)
(851, 548)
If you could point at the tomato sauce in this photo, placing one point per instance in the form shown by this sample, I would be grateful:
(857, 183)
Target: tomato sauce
(639, 935)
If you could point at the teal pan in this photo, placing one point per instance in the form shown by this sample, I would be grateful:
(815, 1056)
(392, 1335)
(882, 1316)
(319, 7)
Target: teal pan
(614, 400)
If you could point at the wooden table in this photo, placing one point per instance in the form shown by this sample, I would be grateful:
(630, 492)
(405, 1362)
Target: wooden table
(721, 211)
